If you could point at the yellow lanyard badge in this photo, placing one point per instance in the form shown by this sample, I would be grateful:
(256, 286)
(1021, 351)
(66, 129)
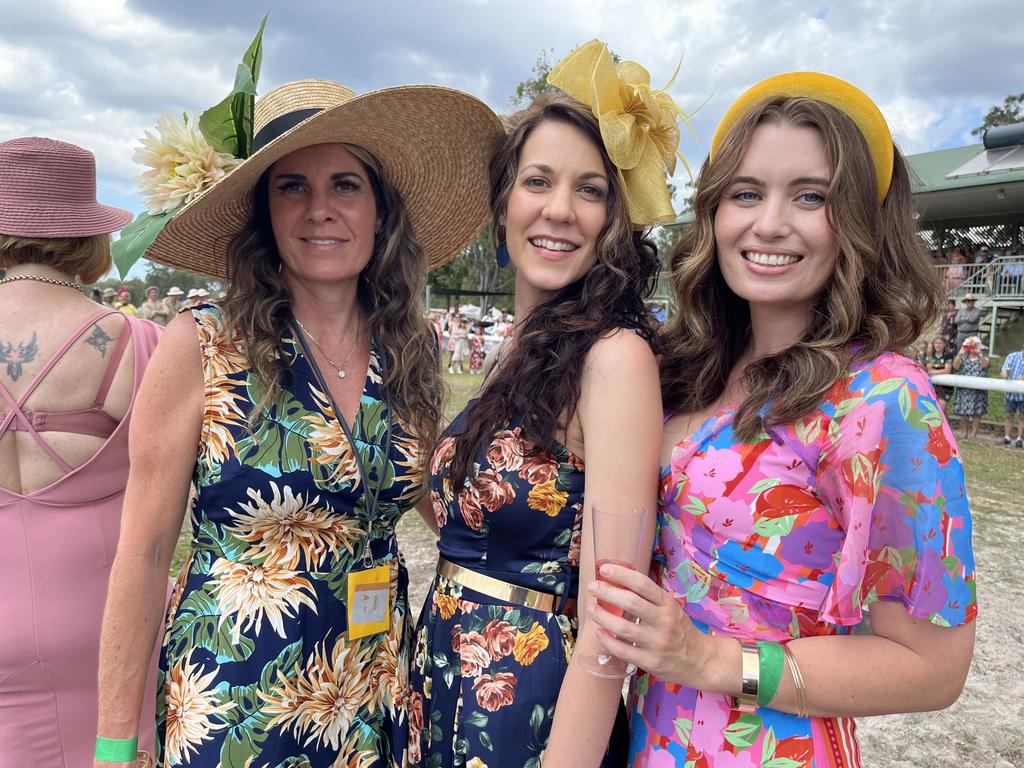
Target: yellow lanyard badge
(369, 601)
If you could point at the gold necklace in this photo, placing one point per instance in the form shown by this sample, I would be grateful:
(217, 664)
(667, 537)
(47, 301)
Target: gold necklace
(339, 368)
(42, 279)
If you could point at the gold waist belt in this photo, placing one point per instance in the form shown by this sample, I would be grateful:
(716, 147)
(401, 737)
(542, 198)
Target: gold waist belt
(502, 590)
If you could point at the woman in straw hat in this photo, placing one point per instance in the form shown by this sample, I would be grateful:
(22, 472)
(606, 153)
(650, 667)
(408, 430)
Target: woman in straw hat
(566, 414)
(811, 483)
(69, 370)
(313, 391)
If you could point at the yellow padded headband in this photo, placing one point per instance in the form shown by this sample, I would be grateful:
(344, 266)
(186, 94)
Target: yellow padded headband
(847, 98)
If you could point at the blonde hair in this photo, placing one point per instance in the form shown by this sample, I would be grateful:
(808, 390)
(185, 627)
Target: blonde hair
(882, 295)
(88, 258)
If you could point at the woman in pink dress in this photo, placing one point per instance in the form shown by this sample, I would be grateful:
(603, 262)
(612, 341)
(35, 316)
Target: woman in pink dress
(811, 485)
(69, 370)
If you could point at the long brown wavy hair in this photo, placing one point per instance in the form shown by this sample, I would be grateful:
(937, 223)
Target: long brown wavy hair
(538, 381)
(882, 294)
(390, 291)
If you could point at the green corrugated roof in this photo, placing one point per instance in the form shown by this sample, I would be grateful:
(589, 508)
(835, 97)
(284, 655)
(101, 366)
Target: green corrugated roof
(931, 169)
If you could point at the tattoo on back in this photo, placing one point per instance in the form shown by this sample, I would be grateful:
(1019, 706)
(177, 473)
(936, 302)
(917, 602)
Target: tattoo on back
(16, 354)
(99, 339)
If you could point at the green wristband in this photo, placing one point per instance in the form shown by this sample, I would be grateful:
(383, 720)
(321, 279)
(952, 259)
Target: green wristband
(117, 750)
(772, 660)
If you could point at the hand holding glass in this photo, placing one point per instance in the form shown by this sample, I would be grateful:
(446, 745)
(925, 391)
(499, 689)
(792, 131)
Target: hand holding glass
(616, 534)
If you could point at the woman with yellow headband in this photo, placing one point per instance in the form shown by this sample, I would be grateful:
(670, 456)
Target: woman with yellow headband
(811, 486)
(566, 414)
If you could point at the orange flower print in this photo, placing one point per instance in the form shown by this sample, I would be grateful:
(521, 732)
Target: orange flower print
(446, 604)
(493, 693)
(474, 654)
(443, 453)
(415, 726)
(546, 498)
(440, 509)
(494, 493)
(500, 637)
(505, 453)
(529, 645)
(577, 535)
(540, 468)
(472, 511)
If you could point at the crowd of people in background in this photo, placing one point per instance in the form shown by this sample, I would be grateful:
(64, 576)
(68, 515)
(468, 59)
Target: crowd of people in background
(960, 264)
(159, 310)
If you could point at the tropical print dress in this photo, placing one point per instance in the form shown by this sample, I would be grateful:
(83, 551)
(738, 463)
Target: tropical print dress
(257, 668)
(794, 535)
(486, 674)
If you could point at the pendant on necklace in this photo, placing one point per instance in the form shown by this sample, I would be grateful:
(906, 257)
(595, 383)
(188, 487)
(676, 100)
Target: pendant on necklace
(341, 374)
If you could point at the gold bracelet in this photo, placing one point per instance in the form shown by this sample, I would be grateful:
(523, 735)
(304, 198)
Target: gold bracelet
(798, 682)
(746, 701)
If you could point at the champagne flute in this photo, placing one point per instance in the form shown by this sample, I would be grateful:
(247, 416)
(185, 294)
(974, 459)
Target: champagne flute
(616, 534)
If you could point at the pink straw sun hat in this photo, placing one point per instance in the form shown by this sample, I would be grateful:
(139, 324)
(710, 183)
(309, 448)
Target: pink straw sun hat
(48, 189)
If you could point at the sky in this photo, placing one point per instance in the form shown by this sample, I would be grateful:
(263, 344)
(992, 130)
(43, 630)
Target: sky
(99, 73)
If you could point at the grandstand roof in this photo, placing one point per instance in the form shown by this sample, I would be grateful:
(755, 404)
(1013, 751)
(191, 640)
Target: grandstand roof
(960, 187)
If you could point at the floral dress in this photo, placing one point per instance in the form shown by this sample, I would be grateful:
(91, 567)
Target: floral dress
(257, 667)
(970, 402)
(486, 675)
(794, 535)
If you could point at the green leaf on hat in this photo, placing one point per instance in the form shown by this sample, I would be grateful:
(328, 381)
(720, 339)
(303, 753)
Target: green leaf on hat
(228, 125)
(135, 239)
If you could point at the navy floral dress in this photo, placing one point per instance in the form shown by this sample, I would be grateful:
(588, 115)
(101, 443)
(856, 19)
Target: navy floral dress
(257, 668)
(486, 675)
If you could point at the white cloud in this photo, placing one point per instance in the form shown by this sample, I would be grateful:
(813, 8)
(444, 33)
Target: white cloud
(99, 72)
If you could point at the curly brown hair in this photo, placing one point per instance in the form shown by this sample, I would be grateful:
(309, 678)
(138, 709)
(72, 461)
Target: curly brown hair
(391, 289)
(882, 295)
(539, 380)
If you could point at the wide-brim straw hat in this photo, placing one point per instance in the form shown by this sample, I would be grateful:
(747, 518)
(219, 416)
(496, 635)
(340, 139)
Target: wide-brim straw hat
(48, 189)
(433, 144)
(175, 291)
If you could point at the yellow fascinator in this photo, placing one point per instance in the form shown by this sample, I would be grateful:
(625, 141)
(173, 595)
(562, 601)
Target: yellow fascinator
(844, 96)
(639, 126)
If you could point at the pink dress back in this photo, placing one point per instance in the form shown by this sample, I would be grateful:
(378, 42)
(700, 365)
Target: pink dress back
(57, 545)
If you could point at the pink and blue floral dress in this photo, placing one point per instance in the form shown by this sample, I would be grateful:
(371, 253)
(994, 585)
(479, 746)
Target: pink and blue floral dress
(796, 534)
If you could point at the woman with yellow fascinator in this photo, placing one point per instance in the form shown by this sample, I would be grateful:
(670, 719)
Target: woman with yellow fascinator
(814, 560)
(566, 415)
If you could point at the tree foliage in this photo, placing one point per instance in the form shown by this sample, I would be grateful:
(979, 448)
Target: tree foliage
(1009, 112)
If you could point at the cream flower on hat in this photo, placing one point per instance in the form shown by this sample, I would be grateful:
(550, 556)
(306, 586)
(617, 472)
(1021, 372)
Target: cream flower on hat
(182, 164)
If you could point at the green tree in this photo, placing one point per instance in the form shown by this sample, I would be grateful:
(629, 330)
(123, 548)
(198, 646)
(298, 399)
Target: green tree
(1009, 112)
(534, 86)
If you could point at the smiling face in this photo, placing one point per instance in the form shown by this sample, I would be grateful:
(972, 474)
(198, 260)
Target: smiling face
(556, 210)
(323, 213)
(774, 245)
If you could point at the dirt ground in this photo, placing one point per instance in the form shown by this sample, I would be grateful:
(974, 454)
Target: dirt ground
(985, 728)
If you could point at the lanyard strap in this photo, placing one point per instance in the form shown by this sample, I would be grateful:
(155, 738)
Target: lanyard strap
(370, 492)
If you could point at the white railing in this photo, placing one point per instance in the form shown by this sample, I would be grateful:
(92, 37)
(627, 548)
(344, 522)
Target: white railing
(978, 382)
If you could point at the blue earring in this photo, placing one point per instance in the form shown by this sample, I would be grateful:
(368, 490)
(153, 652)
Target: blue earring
(501, 256)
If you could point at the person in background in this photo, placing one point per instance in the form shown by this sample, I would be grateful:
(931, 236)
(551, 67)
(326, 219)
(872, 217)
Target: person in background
(459, 341)
(801, 451)
(1013, 370)
(947, 326)
(920, 353)
(956, 272)
(123, 302)
(971, 404)
(109, 295)
(476, 349)
(968, 319)
(173, 300)
(69, 374)
(940, 360)
(154, 308)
